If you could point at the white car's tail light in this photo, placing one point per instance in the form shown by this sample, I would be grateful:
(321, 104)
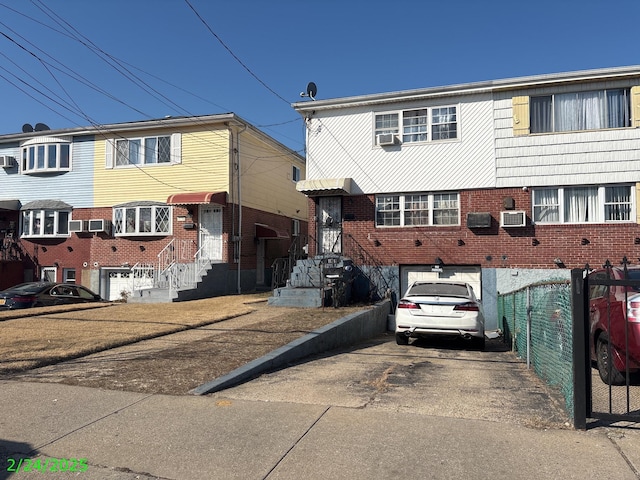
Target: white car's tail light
(407, 304)
(467, 307)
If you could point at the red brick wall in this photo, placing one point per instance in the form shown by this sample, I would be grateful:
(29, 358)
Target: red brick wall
(495, 247)
(102, 250)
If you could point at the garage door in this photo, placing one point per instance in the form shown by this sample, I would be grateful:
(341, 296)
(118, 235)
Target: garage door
(450, 273)
(118, 281)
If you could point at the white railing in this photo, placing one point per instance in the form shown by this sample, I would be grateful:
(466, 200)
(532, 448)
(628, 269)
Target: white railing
(178, 266)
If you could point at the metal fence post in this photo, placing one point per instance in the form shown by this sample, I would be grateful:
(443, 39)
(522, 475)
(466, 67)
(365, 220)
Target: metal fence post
(581, 360)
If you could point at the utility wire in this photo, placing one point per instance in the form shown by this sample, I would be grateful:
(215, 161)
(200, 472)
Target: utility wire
(234, 55)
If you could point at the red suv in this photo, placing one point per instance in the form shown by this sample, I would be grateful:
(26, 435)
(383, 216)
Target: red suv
(614, 321)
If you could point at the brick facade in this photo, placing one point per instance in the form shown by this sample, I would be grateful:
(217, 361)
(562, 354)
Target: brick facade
(533, 246)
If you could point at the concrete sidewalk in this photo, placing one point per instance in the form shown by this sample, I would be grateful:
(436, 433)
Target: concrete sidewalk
(127, 435)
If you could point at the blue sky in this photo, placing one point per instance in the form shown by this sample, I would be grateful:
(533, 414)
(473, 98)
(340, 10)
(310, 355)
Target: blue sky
(70, 63)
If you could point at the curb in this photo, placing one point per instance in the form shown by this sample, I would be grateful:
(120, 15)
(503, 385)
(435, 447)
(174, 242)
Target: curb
(343, 332)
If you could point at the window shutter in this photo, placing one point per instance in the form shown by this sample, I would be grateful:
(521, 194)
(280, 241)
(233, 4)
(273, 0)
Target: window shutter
(520, 106)
(108, 153)
(635, 106)
(176, 148)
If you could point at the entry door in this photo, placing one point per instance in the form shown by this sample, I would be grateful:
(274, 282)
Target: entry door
(330, 224)
(210, 232)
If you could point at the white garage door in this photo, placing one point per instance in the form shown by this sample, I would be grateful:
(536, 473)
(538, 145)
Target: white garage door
(118, 281)
(453, 273)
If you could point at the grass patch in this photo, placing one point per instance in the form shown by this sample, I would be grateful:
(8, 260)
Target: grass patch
(48, 335)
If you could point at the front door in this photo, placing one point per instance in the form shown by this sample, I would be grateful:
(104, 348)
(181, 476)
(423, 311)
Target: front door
(210, 232)
(330, 224)
(260, 252)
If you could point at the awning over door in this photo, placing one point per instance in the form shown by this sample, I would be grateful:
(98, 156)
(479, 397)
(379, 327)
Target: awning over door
(325, 186)
(10, 205)
(267, 232)
(198, 198)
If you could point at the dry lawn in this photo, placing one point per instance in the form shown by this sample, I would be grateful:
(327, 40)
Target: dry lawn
(51, 334)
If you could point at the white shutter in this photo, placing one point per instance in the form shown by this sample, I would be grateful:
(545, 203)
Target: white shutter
(108, 154)
(176, 148)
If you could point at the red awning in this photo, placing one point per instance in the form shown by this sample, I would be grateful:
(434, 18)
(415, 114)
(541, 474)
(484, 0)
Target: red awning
(267, 232)
(198, 198)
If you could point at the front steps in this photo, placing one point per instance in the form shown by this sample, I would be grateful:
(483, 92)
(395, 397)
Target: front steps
(309, 284)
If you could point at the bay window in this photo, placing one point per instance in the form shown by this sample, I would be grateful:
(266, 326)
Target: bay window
(144, 219)
(45, 223)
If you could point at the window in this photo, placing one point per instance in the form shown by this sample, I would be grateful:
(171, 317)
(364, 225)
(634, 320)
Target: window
(581, 111)
(386, 123)
(295, 173)
(69, 275)
(420, 125)
(415, 126)
(142, 220)
(421, 209)
(583, 204)
(45, 223)
(445, 123)
(46, 157)
(143, 151)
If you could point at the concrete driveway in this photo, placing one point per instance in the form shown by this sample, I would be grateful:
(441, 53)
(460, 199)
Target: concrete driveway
(441, 377)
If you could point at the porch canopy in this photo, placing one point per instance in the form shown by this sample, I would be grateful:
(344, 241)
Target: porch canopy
(10, 205)
(267, 232)
(197, 198)
(324, 186)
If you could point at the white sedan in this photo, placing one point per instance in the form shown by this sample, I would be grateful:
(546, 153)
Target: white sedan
(440, 308)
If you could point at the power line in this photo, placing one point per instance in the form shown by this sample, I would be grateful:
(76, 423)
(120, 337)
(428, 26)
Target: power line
(234, 55)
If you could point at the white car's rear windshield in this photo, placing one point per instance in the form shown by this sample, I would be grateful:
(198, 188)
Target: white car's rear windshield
(444, 289)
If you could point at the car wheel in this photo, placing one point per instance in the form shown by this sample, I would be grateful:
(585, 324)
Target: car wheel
(402, 339)
(610, 376)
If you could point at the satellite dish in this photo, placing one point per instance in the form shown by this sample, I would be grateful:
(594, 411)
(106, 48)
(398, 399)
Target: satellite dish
(27, 128)
(41, 127)
(311, 92)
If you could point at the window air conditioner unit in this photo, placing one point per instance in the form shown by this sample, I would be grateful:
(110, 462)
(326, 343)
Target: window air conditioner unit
(385, 139)
(513, 219)
(100, 226)
(6, 161)
(478, 220)
(77, 226)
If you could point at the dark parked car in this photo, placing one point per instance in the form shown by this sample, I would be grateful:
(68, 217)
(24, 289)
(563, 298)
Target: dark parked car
(40, 294)
(614, 321)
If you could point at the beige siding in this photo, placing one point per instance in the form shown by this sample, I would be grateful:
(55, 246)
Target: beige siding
(635, 105)
(520, 115)
(262, 167)
(204, 167)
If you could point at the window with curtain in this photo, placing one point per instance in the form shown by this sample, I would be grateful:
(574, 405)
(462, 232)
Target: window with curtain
(420, 209)
(591, 110)
(583, 204)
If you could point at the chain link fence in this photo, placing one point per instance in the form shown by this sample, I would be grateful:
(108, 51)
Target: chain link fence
(537, 323)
